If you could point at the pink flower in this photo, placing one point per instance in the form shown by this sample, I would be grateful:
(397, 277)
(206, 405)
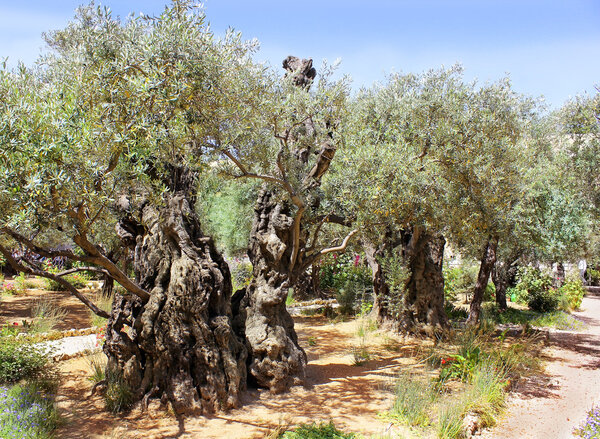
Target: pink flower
(16, 324)
(356, 260)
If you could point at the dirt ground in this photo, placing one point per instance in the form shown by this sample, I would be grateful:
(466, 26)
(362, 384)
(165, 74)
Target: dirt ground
(15, 309)
(546, 406)
(351, 396)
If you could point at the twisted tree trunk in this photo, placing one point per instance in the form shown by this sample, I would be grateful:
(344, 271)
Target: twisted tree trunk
(276, 359)
(381, 289)
(503, 275)
(423, 301)
(488, 260)
(179, 345)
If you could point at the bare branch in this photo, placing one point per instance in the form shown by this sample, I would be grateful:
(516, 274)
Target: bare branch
(342, 246)
(79, 269)
(42, 251)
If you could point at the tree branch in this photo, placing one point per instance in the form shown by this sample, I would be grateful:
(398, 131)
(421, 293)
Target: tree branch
(341, 247)
(55, 277)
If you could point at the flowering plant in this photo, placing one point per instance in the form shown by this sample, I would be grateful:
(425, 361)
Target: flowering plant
(591, 428)
(101, 337)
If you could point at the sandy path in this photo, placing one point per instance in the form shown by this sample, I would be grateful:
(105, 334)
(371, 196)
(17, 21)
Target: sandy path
(550, 406)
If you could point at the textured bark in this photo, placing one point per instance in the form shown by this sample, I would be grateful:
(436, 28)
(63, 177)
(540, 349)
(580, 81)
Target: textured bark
(503, 276)
(560, 274)
(423, 300)
(304, 289)
(179, 345)
(276, 359)
(488, 260)
(381, 289)
(278, 246)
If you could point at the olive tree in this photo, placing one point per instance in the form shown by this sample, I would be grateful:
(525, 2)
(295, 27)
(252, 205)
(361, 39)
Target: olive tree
(111, 131)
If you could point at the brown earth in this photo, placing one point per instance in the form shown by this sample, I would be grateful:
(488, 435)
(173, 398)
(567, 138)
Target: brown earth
(16, 309)
(545, 406)
(350, 395)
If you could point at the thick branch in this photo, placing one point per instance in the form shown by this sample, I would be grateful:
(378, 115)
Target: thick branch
(93, 256)
(101, 260)
(41, 273)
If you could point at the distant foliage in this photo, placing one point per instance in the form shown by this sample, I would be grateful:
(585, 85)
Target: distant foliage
(534, 287)
(459, 282)
(347, 278)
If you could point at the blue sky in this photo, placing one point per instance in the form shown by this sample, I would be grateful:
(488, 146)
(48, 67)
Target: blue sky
(549, 48)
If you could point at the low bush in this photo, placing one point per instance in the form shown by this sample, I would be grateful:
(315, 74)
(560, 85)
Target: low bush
(12, 288)
(20, 360)
(590, 429)
(535, 288)
(78, 280)
(571, 294)
(317, 431)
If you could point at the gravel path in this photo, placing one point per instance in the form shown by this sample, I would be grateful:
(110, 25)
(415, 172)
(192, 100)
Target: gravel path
(551, 406)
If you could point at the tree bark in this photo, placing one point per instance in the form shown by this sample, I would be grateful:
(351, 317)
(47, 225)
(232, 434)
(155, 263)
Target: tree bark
(179, 345)
(381, 289)
(423, 301)
(488, 260)
(276, 359)
(503, 275)
(560, 274)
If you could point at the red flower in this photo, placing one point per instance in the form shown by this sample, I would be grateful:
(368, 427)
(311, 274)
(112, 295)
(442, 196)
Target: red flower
(444, 361)
(16, 324)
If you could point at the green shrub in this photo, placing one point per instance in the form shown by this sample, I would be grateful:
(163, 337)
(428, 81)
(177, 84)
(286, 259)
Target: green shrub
(535, 287)
(572, 293)
(26, 413)
(344, 276)
(20, 360)
(317, 431)
(78, 280)
(12, 288)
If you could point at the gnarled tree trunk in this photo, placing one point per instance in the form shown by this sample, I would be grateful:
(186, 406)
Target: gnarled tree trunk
(179, 345)
(423, 300)
(276, 359)
(488, 260)
(503, 275)
(381, 289)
